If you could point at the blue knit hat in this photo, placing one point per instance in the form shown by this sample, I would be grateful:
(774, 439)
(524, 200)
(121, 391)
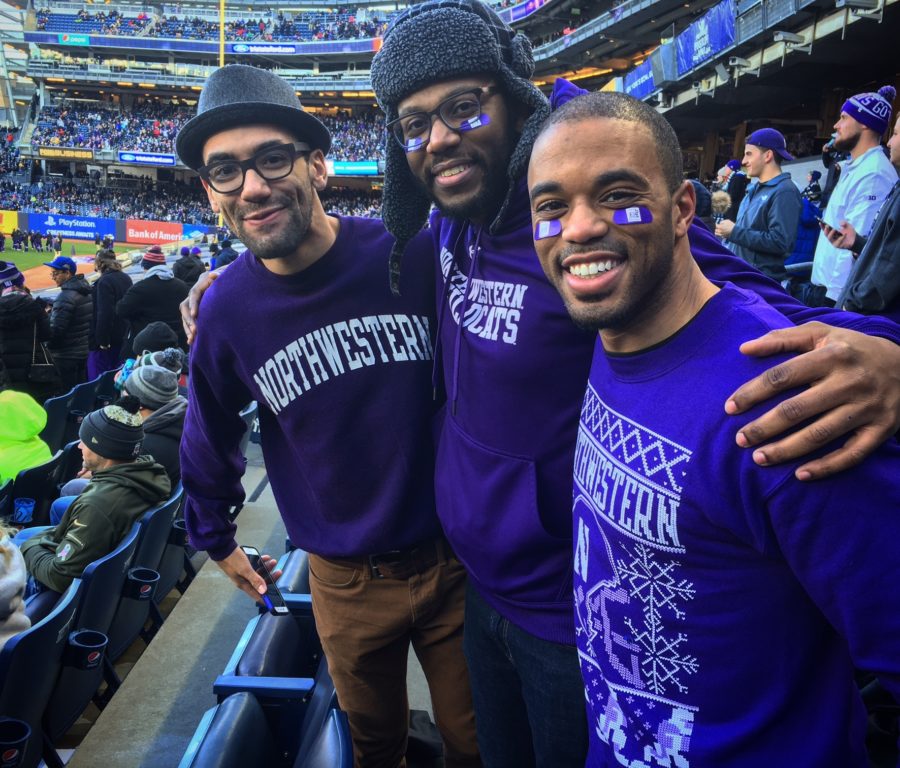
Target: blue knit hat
(873, 110)
(10, 275)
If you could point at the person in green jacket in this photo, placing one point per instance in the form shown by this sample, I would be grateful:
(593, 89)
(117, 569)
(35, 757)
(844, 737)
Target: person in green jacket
(21, 420)
(124, 484)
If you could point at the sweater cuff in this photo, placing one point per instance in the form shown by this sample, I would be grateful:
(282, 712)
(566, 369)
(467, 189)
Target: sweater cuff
(221, 552)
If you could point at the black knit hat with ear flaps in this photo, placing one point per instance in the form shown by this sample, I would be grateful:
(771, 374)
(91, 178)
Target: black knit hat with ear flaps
(429, 43)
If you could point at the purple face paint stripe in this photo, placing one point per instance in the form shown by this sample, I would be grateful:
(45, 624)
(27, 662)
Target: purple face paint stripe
(474, 122)
(550, 228)
(635, 215)
(413, 145)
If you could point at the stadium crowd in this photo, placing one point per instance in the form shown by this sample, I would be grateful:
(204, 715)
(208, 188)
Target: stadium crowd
(148, 126)
(151, 127)
(107, 23)
(10, 161)
(152, 201)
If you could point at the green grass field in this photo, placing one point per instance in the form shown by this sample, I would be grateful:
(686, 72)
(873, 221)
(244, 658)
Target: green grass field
(34, 259)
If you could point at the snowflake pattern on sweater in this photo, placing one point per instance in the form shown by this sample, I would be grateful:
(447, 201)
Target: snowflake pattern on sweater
(629, 594)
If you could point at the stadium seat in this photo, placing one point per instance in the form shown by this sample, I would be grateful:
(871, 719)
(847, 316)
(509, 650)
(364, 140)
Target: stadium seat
(29, 665)
(330, 747)
(84, 397)
(71, 463)
(134, 608)
(39, 483)
(57, 417)
(279, 659)
(102, 588)
(237, 734)
(106, 388)
(294, 567)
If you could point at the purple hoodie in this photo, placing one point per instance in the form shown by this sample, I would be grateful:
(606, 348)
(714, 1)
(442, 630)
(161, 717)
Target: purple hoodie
(515, 380)
(341, 370)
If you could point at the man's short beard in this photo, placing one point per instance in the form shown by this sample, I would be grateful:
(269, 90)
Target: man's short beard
(484, 206)
(288, 241)
(847, 145)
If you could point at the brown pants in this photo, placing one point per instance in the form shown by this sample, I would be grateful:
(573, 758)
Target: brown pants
(366, 625)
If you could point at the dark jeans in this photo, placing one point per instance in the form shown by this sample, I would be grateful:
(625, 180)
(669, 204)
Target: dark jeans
(72, 372)
(528, 693)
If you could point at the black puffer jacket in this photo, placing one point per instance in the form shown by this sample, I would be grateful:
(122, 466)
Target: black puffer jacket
(19, 314)
(107, 328)
(154, 298)
(188, 269)
(70, 320)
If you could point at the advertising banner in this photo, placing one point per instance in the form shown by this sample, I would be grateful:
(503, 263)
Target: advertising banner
(348, 168)
(65, 153)
(9, 220)
(70, 38)
(139, 231)
(710, 34)
(77, 227)
(639, 82)
(196, 231)
(146, 158)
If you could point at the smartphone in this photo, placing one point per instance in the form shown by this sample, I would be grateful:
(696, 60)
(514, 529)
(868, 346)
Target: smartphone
(273, 599)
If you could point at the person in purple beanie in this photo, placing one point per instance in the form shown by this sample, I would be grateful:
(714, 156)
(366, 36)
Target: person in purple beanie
(462, 113)
(305, 324)
(721, 608)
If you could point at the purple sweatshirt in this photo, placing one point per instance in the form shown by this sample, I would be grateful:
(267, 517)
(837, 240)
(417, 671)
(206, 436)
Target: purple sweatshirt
(721, 608)
(341, 370)
(515, 379)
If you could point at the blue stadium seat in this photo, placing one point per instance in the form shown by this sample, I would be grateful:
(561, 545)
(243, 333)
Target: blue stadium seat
(29, 665)
(237, 734)
(279, 659)
(39, 483)
(57, 416)
(106, 388)
(294, 567)
(175, 568)
(102, 583)
(6, 497)
(71, 463)
(83, 398)
(134, 607)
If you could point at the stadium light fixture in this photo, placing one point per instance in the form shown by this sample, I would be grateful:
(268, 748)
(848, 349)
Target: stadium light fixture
(792, 43)
(742, 67)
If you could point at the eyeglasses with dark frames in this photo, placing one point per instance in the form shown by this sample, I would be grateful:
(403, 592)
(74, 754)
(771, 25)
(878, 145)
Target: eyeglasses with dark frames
(460, 112)
(272, 163)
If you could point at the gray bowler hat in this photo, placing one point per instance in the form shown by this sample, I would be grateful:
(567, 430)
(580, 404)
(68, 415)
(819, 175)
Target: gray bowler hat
(237, 95)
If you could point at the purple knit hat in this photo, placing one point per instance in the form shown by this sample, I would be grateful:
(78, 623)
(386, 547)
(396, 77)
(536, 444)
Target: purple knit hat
(10, 275)
(873, 110)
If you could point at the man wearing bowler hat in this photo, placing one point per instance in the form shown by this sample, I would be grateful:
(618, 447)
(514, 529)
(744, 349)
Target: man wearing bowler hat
(341, 369)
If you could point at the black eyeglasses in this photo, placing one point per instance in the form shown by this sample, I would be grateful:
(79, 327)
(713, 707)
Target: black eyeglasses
(273, 163)
(460, 112)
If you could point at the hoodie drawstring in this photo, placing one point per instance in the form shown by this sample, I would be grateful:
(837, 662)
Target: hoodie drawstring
(454, 392)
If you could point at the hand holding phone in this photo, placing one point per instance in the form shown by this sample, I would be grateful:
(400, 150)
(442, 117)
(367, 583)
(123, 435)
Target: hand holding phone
(272, 599)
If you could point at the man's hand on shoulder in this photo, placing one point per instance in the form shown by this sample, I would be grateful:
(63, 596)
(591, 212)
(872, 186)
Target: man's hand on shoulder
(853, 390)
(190, 307)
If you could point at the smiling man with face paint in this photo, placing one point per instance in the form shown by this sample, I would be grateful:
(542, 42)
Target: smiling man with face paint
(695, 571)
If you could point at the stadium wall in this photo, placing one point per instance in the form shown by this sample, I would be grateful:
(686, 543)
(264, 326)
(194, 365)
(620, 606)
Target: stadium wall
(137, 231)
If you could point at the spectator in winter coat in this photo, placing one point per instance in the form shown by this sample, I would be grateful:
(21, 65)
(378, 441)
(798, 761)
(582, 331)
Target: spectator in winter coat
(23, 326)
(162, 410)
(156, 297)
(70, 321)
(124, 484)
(813, 192)
(21, 421)
(226, 255)
(12, 588)
(107, 328)
(769, 214)
(190, 266)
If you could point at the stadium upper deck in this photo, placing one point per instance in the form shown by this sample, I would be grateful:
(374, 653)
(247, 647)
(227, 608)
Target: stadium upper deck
(714, 67)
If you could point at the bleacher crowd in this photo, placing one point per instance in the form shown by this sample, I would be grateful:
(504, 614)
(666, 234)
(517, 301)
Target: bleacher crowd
(10, 162)
(152, 201)
(103, 22)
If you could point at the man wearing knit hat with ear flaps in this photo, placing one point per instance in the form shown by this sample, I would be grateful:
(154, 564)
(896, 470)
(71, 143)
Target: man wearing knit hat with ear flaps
(453, 80)
(866, 180)
(155, 297)
(124, 484)
(304, 322)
